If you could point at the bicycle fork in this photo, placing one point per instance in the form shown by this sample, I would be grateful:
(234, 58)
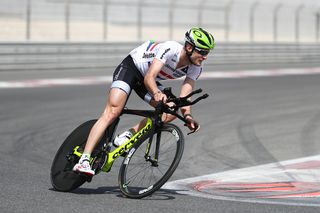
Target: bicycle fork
(147, 156)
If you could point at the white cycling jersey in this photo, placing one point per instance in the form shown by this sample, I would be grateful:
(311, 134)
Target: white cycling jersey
(167, 52)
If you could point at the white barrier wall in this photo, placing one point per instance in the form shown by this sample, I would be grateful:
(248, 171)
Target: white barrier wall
(137, 20)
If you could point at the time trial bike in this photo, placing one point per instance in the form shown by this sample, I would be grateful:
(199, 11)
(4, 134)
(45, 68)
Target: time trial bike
(150, 156)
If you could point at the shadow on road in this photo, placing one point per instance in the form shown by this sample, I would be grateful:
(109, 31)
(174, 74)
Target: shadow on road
(162, 194)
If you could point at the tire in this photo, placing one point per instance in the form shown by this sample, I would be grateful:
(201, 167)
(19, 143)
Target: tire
(138, 178)
(62, 176)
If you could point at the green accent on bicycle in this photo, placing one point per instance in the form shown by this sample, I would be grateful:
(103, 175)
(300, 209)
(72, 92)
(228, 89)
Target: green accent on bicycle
(76, 152)
(121, 149)
(79, 154)
(126, 146)
(148, 148)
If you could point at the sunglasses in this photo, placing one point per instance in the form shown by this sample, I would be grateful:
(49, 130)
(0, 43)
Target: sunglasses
(202, 52)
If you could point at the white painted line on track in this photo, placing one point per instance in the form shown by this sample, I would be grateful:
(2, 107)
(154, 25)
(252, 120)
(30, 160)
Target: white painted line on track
(292, 182)
(91, 80)
(261, 73)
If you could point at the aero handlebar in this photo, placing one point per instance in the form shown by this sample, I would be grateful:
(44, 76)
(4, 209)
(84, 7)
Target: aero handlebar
(178, 102)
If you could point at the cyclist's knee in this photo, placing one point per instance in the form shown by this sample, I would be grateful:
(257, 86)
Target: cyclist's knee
(116, 102)
(112, 112)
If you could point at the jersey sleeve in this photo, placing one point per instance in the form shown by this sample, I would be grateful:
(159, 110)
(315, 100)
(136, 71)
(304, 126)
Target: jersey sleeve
(194, 72)
(164, 53)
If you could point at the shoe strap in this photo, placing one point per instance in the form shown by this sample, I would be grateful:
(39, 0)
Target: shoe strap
(86, 159)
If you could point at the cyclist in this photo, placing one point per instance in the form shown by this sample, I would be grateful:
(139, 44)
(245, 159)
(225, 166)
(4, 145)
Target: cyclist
(142, 70)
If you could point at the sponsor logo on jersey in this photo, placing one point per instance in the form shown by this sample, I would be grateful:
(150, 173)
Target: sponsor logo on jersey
(170, 68)
(178, 74)
(165, 52)
(148, 55)
(199, 73)
(185, 69)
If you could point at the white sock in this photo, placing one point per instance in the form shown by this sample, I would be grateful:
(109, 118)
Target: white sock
(84, 157)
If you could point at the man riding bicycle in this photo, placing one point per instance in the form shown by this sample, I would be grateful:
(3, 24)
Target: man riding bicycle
(142, 70)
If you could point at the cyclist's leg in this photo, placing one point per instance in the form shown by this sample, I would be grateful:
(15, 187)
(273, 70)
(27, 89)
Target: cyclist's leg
(114, 106)
(116, 102)
(123, 79)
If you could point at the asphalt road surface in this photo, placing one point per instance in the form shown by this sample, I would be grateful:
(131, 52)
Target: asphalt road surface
(245, 122)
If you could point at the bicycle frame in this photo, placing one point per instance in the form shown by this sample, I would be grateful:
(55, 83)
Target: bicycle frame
(113, 155)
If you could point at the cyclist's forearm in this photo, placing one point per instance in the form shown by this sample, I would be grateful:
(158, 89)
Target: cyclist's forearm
(186, 89)
(151, 85)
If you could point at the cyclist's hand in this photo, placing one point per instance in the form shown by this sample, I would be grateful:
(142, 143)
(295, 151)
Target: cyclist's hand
(192, 124)
(159, 96)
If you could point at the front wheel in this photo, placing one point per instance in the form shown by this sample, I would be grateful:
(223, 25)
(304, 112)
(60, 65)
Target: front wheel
(144, 170)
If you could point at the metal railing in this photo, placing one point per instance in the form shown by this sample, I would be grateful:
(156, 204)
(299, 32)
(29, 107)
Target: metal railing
(66, 55)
